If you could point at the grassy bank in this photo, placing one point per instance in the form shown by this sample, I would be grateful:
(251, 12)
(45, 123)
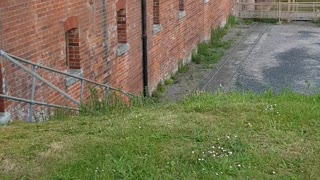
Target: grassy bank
(239, 136)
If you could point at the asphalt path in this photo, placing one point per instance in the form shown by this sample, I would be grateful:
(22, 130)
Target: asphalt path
(272, 57)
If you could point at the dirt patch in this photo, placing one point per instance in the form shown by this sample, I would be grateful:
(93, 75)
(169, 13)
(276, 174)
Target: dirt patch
(7, 165)
(54, 148)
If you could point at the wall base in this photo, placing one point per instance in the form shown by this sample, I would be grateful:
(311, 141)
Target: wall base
(5, 118)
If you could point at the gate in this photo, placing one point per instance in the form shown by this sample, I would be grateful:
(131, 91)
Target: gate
(279, 10)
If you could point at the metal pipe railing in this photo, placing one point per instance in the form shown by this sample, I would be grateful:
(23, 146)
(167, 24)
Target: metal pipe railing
(36, 102)
(16, 60)
(2, 53)
(279, 10)
(70, 75)
(33, 90)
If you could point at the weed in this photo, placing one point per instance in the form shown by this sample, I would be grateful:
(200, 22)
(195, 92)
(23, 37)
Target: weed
(239, 33)
(196, 58)
(271, 21)
(317, 22)
(211, 52)
(182, 68)
(103, 102)
(248, 21)
(203, 49)
(168, 82)
(232, 21)
(173, 77)
(159, 91)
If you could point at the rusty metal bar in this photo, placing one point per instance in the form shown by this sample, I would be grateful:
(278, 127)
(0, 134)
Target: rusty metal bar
(70, 75)
(2, 53)
(33, 89)
(36, 102)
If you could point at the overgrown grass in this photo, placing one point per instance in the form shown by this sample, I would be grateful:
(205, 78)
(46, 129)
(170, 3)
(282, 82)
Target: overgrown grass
(211, 52)
(249, 21)
(162, 87)
(221, 136)
(317, 22)
(157, 94)
(182, 68)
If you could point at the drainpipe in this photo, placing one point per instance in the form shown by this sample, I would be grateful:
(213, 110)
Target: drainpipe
(144, 48)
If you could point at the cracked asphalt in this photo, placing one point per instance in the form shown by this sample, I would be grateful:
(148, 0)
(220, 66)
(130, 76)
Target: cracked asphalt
(276, 57)
(263, 57)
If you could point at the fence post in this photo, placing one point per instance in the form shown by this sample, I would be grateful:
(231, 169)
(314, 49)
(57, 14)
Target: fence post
(33, 89)
(279, 11)
(2, 89)
(4, 116)
(81, 91)
(314, 12)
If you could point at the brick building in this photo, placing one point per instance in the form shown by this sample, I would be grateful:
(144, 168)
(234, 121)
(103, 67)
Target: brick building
(100, 40)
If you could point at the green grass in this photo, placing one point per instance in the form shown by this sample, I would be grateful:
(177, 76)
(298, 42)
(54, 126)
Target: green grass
(211, 52)
(157, 94)
(182, 68)
(271, 21)
(317, 22)
(221, 136)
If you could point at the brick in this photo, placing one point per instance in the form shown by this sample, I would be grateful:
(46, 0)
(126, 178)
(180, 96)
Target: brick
(36, 30)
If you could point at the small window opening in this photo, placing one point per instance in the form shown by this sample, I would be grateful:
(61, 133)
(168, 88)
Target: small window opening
(122, 26)
(73, 49)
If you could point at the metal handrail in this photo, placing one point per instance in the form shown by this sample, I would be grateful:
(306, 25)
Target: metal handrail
(71, 75)
(280, 10)
(37, 102)
(2, 53)
(15, 60)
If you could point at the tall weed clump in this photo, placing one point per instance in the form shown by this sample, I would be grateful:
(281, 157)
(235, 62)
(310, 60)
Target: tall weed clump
(211, 52)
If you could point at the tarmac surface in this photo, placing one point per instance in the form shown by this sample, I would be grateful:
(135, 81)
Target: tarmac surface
(263, 57)
(276, 57)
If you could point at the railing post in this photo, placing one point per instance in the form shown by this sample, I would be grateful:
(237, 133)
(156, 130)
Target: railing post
(279, 11)
(33, 89)
(81, 91)
(106, 93)
(4, 116)
(314, 12)
(2, 91)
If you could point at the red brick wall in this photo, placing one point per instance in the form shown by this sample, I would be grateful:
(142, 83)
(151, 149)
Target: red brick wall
(35, 30)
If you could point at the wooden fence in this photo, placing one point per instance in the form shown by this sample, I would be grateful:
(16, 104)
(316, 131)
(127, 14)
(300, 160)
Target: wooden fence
(279, 10)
